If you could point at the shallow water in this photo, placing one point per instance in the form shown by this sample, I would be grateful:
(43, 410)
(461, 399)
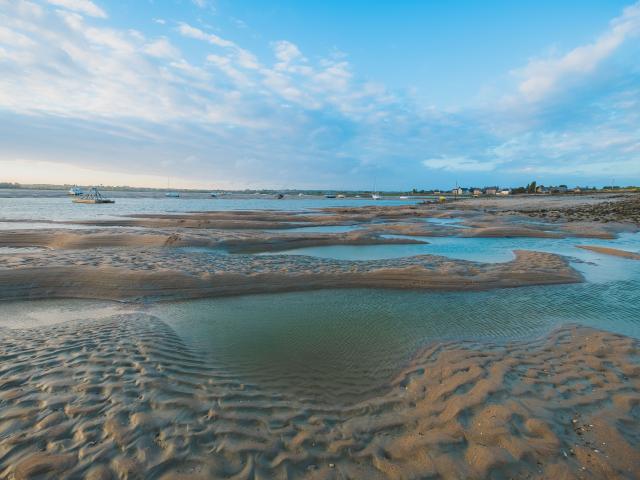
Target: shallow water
(33, 314)
(317, 229)
(490, 250)
(63, 209)
(344, 344)
(447, 222)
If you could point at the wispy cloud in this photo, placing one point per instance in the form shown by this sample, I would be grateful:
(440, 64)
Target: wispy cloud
(193, 32)
(200, 3)
(460, 164)
(86, 7)
(543, 76)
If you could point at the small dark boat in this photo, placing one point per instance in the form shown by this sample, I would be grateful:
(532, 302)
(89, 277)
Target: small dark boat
(94, 196)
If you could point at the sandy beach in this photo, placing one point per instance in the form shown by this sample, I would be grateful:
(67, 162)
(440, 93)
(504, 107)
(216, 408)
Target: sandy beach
(124, 396)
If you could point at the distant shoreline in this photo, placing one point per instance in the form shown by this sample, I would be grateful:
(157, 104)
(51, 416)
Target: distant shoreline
(8, 186)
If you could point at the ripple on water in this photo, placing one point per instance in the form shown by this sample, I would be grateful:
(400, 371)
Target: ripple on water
(333, 346)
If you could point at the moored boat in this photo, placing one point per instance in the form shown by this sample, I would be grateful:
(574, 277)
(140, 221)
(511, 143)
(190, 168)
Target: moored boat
(94, 196)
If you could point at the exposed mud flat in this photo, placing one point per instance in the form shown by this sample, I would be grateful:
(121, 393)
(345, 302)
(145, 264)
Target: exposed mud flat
(124, 397)
(237, 242)
(611, 251)
(158, 274)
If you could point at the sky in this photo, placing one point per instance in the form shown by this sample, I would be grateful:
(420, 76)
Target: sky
(232, 94)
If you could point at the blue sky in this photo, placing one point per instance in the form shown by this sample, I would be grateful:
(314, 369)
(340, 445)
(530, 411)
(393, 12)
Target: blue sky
(289, 94)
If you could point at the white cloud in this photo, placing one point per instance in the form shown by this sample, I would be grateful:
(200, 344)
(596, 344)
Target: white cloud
(543, 76)
(161, 48)
(286, 53)
(14, 39)
(193, 32)
(605, 169)
(460, 164)
(86, 7)
(225, 65)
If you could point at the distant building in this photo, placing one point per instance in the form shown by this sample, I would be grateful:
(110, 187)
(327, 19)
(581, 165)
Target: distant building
(542, 189)
(559, 189)
(476, 192)
(490, 190)
(504, 192)
(457, 191)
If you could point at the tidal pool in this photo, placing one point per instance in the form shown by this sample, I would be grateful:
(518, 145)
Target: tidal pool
(343, 345)
(597, 266)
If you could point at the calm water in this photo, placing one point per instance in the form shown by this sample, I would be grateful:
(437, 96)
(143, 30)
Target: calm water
(63, 209)
(489, 250)
(344, 343)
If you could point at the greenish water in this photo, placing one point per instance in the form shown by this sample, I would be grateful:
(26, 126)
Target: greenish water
(344, 345)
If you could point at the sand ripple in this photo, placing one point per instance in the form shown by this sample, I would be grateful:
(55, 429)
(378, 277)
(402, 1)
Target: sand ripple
(124, 397)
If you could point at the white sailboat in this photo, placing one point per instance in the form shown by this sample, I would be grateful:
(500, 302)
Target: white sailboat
(171, 194)
(374, 195)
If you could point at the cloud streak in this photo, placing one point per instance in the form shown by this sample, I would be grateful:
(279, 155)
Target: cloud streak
(541, 77)
(85, 7)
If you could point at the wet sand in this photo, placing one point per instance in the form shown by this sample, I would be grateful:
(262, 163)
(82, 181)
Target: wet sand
(611, 251)
(123, 397)
(229, 241)
(159, 274)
